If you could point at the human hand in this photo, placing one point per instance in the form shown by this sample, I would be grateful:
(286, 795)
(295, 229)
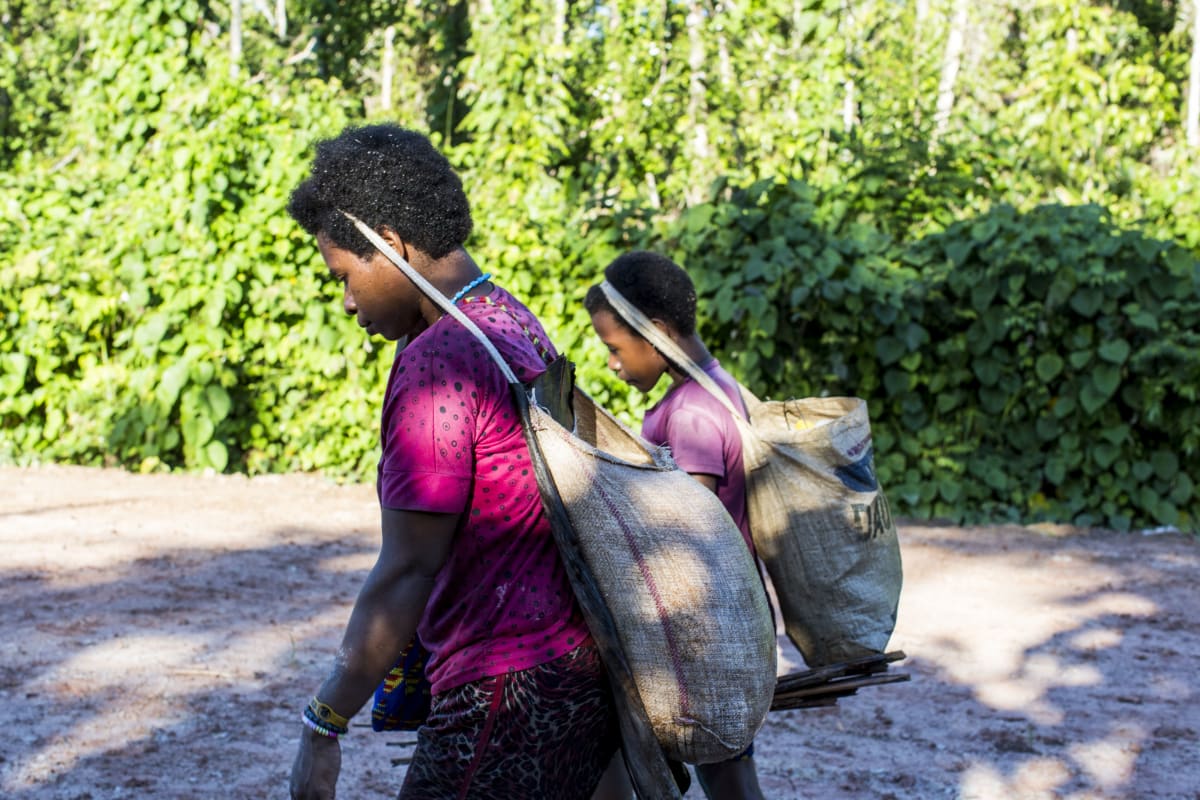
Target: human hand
(315, 770)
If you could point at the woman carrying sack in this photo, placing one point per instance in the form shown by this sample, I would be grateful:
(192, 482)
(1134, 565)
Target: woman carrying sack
(703, 438)
(520, 704)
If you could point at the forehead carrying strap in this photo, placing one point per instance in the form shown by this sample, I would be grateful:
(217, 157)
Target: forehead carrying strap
(431, 291)
(634, 318)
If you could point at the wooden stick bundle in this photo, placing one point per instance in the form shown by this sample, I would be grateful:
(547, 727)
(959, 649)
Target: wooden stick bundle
(824, 685)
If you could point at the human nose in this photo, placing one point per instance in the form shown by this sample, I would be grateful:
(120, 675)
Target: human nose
(348, 304)
(614, 363)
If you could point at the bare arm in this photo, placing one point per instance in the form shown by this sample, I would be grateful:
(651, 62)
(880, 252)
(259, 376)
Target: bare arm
(389, 605)
(707, 481)
(385, 616)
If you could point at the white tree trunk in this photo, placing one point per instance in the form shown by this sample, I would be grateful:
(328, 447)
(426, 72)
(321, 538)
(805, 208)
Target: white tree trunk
(920, 36)
(235, 38)
(387, 73)
(847, 25)
(697, 100)
(560, 23)
(951, 61)
(1193, 101)
(280, 19)
(849, 106)
(652, 191)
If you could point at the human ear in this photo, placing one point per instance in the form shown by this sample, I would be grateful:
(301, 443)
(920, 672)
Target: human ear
(665, 327)
(390, 236)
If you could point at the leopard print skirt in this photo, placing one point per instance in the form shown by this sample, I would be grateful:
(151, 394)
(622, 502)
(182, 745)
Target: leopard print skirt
(545, 733)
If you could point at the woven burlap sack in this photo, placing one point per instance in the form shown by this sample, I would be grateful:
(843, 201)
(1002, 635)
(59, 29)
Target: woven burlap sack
(682, 587)
(822, 525)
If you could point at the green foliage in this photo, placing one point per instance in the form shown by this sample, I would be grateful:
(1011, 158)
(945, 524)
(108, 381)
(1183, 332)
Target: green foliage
(1156, 16)
(792, 307)
(1023, 357)
(1067, 359)
(154, 302)
(1018, 366)
(38, 69)
(1100, 94)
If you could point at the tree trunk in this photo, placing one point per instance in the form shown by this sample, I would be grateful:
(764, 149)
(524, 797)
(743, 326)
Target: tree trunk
(849, 106)
(235, 38)
(387, 72)
(920, 36)
(850, 38)
(1193, 101)
(280, 19)
(560, 23)
(697, 101)
(951, 61)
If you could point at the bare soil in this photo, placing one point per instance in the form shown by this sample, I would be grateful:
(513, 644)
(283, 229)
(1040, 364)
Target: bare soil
(160, 634)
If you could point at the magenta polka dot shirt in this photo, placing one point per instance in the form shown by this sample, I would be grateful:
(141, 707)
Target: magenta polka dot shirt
(452, 443)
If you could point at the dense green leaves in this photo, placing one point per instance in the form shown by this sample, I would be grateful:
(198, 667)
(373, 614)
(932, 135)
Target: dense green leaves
(155, 282)
(991, 397)
(1121, 397)
(1023, 357)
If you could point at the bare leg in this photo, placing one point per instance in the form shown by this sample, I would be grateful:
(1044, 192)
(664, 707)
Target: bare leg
(615, 784)
(730, 780)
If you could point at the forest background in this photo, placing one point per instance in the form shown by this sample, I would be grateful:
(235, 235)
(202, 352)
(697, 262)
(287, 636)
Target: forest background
(980, 216)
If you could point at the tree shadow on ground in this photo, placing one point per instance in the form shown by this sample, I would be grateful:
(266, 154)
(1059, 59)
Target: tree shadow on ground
(1042, 667)
(180, 674)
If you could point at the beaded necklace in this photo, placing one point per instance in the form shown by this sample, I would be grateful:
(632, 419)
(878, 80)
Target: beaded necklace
(463, 291)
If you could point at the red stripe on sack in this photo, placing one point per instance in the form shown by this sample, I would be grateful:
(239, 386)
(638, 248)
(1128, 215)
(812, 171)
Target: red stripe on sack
(663, 617)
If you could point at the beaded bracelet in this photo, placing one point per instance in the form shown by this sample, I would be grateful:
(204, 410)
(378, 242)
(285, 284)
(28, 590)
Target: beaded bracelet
(312, 717)
(317, 727)
(326, 715)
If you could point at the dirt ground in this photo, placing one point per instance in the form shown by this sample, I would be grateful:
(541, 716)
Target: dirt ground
(161, 633)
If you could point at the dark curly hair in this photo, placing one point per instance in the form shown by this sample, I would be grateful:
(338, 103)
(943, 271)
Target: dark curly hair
(655, 284)
(386, 176)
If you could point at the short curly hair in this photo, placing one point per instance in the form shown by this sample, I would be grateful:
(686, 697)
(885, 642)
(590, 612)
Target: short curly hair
(385, 175)
(656, 285)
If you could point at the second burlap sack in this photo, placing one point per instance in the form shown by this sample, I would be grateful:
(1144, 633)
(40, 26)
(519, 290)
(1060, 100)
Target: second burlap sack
(822, 525)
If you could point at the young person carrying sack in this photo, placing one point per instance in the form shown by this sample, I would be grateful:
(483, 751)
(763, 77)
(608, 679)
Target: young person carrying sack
(798, 475)
(520, 704)
(700, 431)
(508, 532)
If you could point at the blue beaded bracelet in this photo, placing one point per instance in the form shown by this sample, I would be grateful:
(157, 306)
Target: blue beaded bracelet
(317, 726)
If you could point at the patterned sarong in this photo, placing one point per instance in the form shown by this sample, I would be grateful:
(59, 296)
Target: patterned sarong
(546, 732)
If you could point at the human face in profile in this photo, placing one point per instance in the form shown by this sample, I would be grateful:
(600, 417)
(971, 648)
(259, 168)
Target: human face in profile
(631, 357)
(378, 295)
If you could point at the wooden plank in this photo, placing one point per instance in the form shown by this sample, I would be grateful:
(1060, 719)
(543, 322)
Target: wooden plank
(858, 666)
(803, 698)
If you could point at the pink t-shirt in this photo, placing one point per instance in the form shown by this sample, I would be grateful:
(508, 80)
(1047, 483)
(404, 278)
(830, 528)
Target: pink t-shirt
(452, 443)
(704, 438)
